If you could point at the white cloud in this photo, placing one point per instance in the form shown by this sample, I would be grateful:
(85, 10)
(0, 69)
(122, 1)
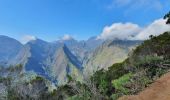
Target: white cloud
(27, 38)
(67, 37)
(131, 31)
(155, 28)
(120, 31)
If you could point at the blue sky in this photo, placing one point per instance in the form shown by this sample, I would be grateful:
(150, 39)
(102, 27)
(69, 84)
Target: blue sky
(51, 19)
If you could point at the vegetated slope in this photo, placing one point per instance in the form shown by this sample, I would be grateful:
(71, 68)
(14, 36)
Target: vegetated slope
(147, 63)
(159, 90)
(65, 63)
(110, 52)
(51, 60)
(16, 84)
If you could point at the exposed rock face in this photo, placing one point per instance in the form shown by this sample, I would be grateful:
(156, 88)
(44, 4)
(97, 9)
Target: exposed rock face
(65, 63)
(52, 60)
(81, 48)
(56, 60)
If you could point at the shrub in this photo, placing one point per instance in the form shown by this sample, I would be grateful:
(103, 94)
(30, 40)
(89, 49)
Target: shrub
(119, 84)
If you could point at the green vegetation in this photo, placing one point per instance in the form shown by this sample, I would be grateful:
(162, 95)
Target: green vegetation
(12, 95)
(37, 79)
(148, 62)
(167, 16)
(121, 82)
(17, 68)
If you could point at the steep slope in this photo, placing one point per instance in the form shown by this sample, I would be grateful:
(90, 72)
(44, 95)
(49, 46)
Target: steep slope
(43, 57)
(39, 51)
(145, 65)
(65, 63)
(75, 47)
(51, 60)
(108, 53)
(9, 48)
(33, 54)
(81, 49)
(159, 90)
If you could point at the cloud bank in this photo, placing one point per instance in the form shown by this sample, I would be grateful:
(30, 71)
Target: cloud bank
(130, 31)
(120, 31)
(155, 28)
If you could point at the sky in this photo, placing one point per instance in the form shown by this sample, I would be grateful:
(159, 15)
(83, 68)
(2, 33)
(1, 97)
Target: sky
(54, 19)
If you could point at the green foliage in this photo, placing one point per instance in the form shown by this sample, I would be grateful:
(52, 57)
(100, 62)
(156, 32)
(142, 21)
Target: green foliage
(120, 83)
(6, 81)
(101, 80)
(116, 70)
(76, 97)
(146, 63)
(167, 16)
(156, 45)
(115, 96)
(37, 79)
(69, 78)
(148, 59)
(17, 68)
(12, 95)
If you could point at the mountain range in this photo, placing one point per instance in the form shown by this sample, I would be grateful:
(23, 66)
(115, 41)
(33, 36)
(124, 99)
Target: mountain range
(56, 60)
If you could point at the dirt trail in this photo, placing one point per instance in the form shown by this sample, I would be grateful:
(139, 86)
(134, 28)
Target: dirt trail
(159, 90)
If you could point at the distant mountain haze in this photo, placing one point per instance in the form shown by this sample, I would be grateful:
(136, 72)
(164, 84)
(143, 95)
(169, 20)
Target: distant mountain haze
(108, 53)
(56, 60)
(9, 48)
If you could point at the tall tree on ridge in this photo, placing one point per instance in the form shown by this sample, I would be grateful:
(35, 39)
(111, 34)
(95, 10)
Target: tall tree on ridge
(167, 16)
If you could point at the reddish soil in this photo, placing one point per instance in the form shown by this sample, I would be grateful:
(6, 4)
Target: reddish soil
(159, 90)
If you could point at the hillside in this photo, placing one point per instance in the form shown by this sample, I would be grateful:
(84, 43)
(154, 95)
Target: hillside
(54, 60)
(148, 62)
(9, 48)
(110, 52)
(159, 90)
(145, 65)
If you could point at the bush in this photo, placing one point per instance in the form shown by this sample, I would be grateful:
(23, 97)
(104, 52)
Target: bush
(119, 84)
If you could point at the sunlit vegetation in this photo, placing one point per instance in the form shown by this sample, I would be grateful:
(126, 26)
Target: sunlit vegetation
(147, 63)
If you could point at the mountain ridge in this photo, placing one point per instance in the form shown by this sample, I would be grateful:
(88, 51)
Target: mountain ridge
(69, 57)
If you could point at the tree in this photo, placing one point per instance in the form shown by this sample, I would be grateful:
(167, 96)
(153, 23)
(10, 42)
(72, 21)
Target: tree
(167, 16)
